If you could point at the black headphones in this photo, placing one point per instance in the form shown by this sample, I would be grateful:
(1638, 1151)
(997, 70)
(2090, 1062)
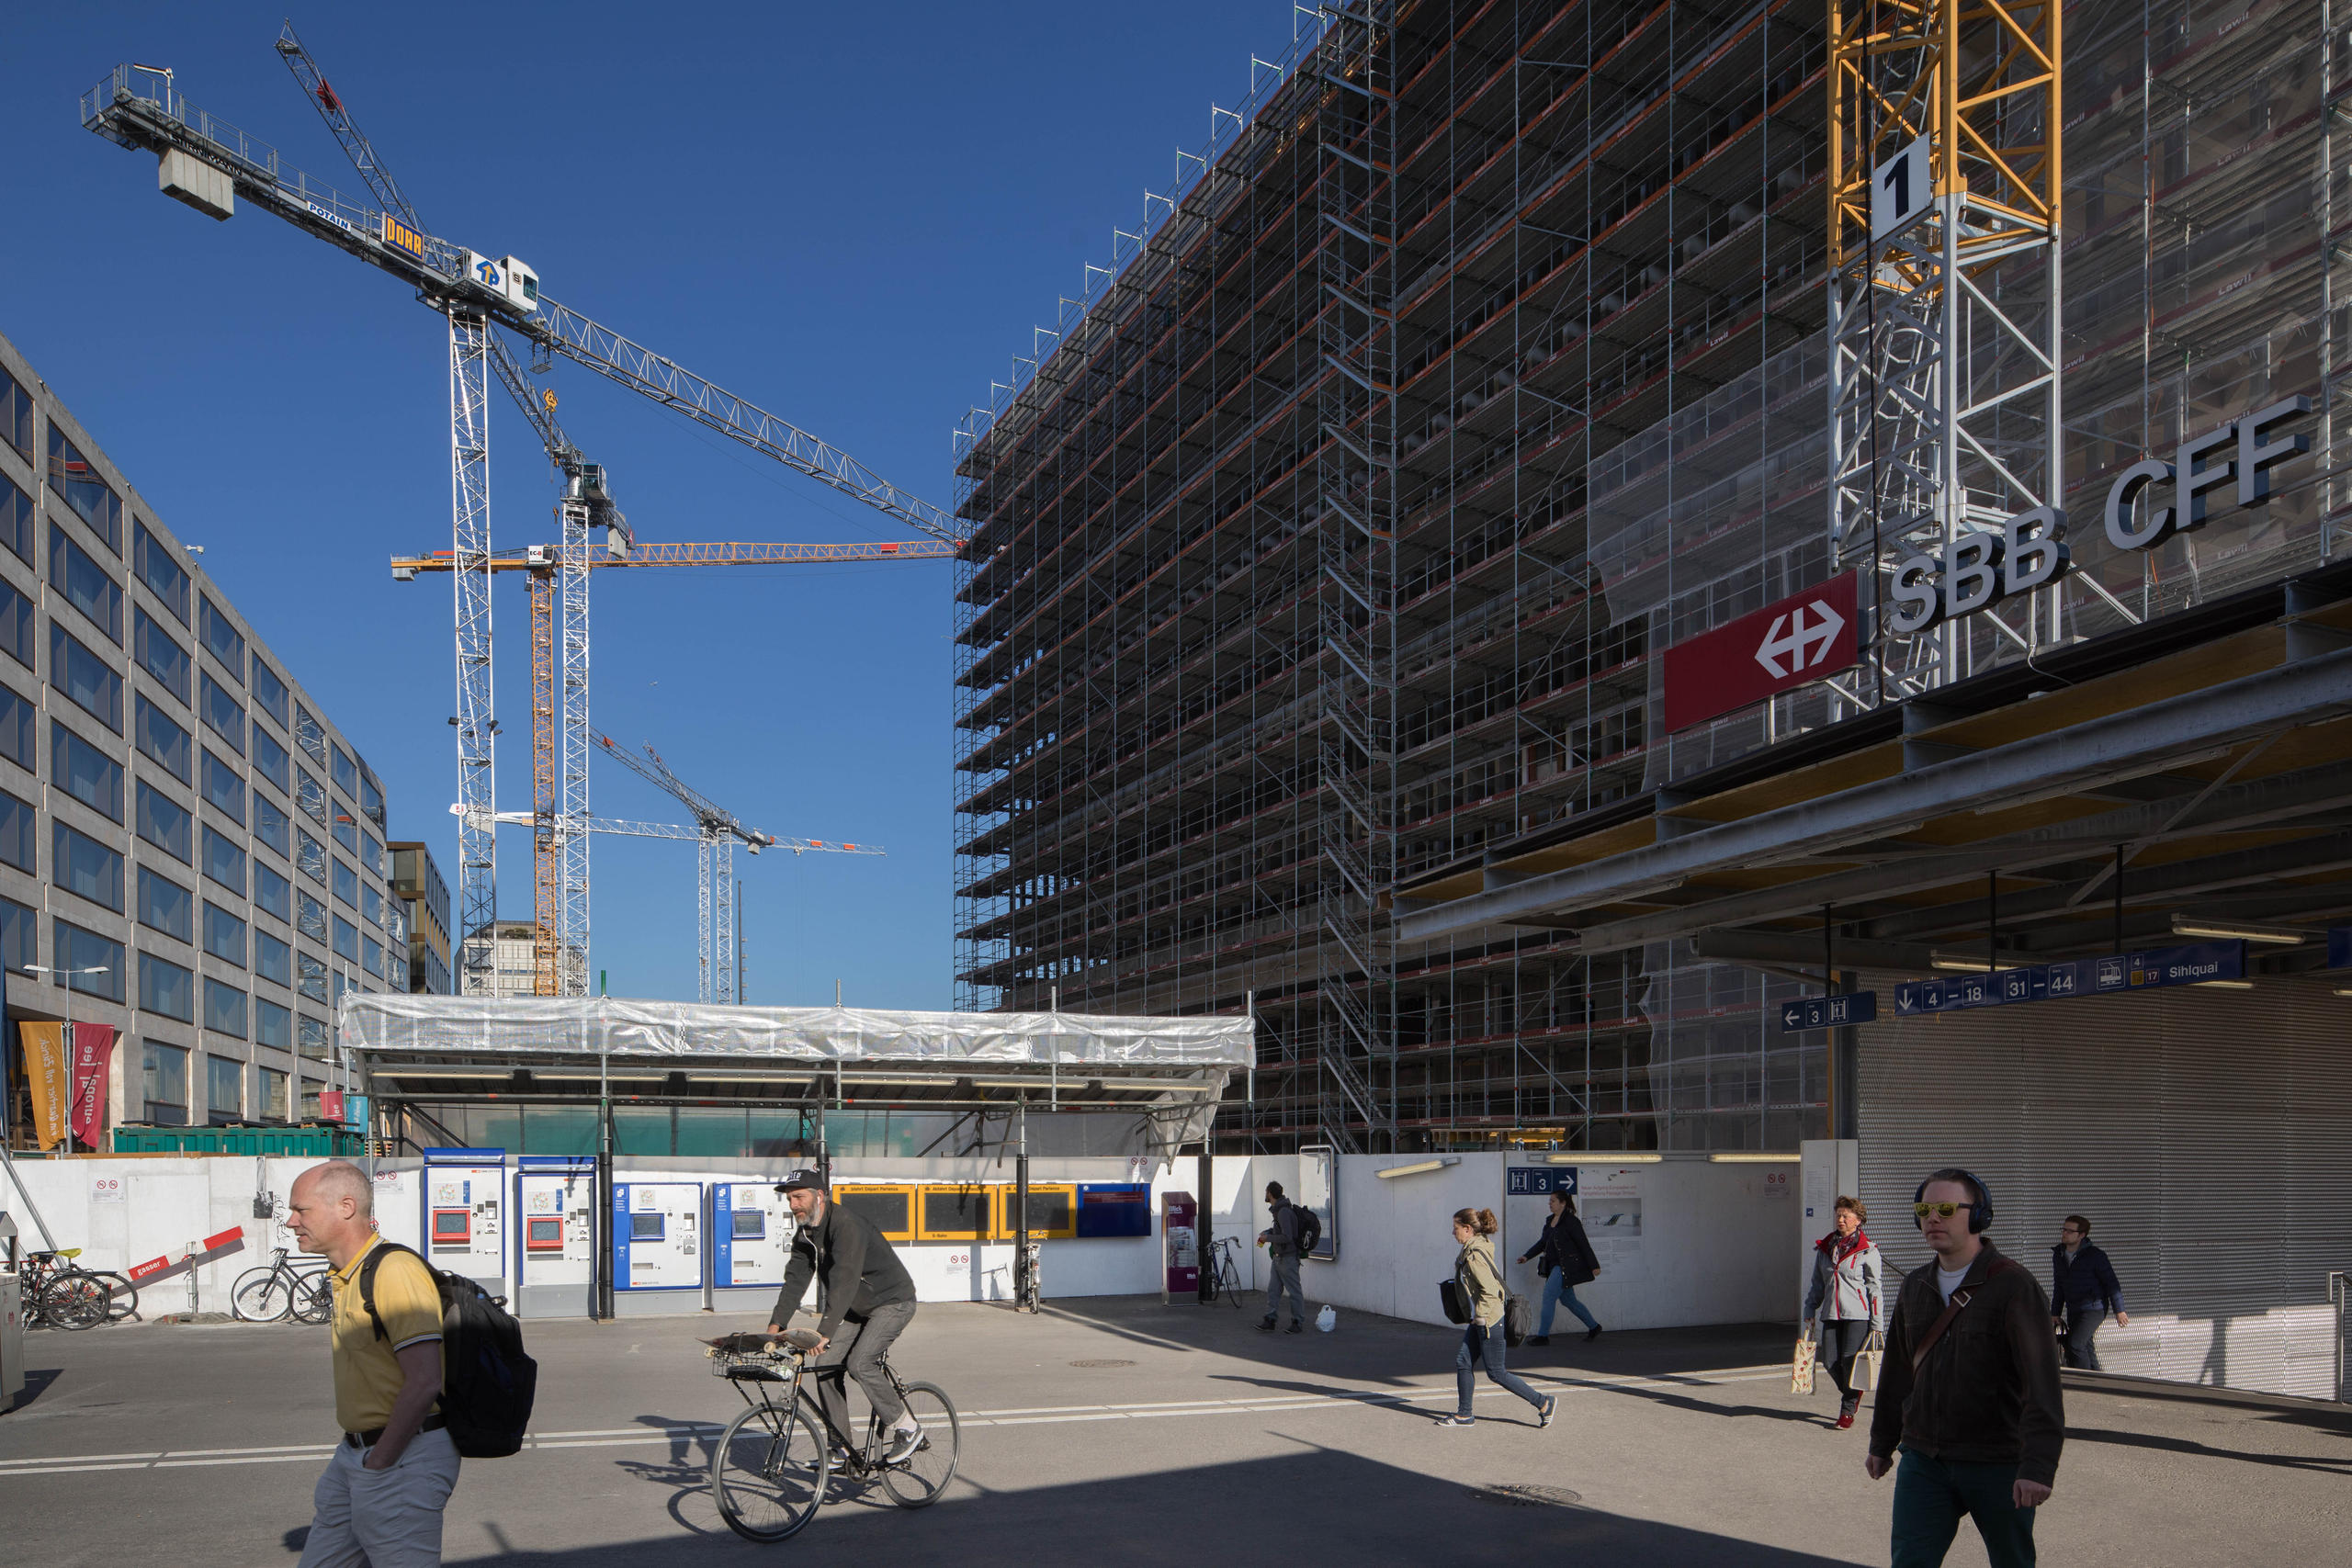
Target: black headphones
(1980, 1213)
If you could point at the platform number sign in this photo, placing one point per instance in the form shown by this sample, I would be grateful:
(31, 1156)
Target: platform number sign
(1899, 189)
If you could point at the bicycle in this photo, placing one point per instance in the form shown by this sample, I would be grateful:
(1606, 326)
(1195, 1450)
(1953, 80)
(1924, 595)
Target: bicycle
(267, 1295)
(771, 1468)
(60, 1294)
(1225, 1275)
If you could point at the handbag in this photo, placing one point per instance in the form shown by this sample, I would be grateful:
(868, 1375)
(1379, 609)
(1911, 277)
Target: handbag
(1449, 1296)
(1801, 1366)
(1869, 1361)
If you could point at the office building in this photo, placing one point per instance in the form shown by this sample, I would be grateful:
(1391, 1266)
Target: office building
(418, 882)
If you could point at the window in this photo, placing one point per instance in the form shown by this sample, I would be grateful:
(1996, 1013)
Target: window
(310, 977)
(224, 934)
(166, 988)
(312, 1037)
(269, 692)
(163, 740)
(310, 797)
(160, 653)
(82, 676)
(224, 862)
(85, 868)
(165, 905)
(163, 823)
(15, 516)
(395, 968)
(346, 829)
(311, 918)
(346, 938)
(272, 960)
(371, 855)
(371, 801)
(396, 921)
(273, 894)
(309, 736)
(17, 731)
(224, 1099)
(79, 949)
(371, 956)
(16, 416)
(225, 641)
(17, 638)
(224, 787)
(225, 1007)
(84, 772)
(269, 1094)
(19, 935)
(166, 1089)
(221, 714)
(271, 762)
(270, 825)
(17, 845)
(82, 582)
(371, 905)
(160, 568)
(310, 857)
(273, 1025)
(76, 480)
(346, 776)
(346, 886)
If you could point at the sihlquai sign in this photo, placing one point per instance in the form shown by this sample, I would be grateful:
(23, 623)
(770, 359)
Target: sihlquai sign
(1977, 571)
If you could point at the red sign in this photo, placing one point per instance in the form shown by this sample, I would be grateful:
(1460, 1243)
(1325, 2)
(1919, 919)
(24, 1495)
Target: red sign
(1793, 643)
(330, 1105)
(215, 1246)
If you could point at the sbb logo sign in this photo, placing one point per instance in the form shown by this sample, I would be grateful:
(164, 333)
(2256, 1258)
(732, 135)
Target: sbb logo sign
(1977, 571)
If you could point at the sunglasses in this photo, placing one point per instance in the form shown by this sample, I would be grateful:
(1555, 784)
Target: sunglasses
(1941, 1211)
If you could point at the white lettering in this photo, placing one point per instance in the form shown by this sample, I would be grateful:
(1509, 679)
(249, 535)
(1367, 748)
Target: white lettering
(2255, 455)
(1914, 588)
(2193, 478)
(1970, 581)
(2123, 492)
(2033, 551)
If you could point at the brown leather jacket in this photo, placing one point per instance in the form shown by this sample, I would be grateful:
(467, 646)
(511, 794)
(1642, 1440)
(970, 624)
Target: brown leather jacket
(1988, 1392)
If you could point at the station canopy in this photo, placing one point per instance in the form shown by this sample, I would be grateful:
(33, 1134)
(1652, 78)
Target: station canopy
(1167, 1072)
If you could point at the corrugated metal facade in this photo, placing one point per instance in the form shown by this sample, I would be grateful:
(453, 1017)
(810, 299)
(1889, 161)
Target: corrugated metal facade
(2206, 1134)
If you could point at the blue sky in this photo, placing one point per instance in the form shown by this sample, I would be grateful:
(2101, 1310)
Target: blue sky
(851, 216)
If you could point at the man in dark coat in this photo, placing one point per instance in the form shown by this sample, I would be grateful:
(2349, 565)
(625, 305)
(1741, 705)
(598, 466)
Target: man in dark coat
(869, 1300)
(1567, 1261)
(2083, 1290)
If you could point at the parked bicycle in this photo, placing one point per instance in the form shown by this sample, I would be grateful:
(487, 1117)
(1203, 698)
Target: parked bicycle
(59, 1293)
(772, 1465)
(266, 1295)
(1225, 1274)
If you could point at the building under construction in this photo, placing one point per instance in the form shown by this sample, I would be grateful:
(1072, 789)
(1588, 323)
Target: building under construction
(1323, 556)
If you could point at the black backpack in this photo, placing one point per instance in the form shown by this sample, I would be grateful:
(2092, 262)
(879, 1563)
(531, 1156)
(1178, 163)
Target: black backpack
(487, 1382)
(1515, 1319)
(1307, 1230)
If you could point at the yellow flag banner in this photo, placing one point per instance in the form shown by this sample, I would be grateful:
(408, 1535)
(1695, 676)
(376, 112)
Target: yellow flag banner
(46, 1075)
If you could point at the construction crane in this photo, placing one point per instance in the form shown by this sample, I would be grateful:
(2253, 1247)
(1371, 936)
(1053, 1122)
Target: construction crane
(207, 163)
(557, 926)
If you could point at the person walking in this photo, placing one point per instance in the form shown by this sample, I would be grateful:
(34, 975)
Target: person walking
(1971, 1391)
(1279, 1239)
(869, 1300)
(379, 1501)
(1845, 1299)
(1480, 1284)
(2083, 1290)
(1564, 1256)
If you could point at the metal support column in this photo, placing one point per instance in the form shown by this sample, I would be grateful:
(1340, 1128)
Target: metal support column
(477, 718)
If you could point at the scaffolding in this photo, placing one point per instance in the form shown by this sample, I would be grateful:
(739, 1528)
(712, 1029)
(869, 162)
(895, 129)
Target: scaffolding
(1322, 549)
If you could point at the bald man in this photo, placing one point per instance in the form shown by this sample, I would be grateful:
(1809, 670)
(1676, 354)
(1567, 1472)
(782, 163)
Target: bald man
(378, 1504)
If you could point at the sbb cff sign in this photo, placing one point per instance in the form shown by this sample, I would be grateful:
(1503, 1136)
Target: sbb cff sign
(1782, 646)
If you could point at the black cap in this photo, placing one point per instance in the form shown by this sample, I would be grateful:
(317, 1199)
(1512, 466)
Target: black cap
(802, 1180)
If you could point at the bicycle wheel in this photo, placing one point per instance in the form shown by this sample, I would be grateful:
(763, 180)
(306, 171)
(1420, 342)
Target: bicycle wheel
(917, 1481)
(261, 1296)
(122, 1295)
(73, 1301)
(767, 1473)
(313, 1298)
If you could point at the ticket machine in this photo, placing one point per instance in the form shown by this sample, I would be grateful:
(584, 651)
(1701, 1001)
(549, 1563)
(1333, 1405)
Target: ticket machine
(752, 1229)
(555, 1263)
(464, 1192)
(657, 1241)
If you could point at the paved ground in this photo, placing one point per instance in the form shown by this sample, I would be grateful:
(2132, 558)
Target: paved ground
(1118, 1431)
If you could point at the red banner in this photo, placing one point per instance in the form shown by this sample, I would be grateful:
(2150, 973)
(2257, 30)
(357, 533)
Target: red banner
(93, 1057)
(1793, 643)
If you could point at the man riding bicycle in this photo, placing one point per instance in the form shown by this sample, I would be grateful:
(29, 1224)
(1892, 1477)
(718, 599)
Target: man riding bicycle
(869, 1300)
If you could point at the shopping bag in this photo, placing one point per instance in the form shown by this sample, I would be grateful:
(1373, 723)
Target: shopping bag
(1800, 1367)
(1868, 1361)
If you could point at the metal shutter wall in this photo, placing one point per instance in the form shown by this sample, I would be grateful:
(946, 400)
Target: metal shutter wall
(2206, 1133)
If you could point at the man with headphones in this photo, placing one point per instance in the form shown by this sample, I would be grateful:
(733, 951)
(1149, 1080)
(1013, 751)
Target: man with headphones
(1970, 1391)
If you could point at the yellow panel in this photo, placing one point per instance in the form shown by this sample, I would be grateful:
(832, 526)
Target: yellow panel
(891, 1208)
(954, 1211)
(1053, 1212)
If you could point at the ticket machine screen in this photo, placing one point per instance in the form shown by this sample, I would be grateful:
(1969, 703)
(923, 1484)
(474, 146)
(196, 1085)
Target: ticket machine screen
(645, 1227)
(453, 1227)
(544, 1234)
(751, 1224)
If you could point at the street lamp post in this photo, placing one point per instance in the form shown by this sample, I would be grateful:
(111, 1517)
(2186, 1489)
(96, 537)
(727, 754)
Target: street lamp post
(68, 974)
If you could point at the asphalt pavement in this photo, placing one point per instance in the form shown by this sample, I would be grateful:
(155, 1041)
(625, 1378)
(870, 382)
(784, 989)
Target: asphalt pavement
(1116, 1431)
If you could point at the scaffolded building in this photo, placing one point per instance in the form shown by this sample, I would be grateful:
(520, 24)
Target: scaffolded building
(1323, 552)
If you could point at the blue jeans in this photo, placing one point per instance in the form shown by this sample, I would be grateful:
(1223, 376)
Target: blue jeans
(1486, 1345)
(1930, 1495)
(1557, 1291)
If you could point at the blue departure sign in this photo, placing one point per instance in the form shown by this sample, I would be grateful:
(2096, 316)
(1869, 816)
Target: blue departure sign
(1833, 1011)
(2192, 964)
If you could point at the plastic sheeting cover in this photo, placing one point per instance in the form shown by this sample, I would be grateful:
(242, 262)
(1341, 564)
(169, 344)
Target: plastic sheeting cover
(618, 1026)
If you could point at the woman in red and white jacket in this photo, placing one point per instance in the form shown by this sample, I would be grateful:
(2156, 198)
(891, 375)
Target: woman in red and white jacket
(1846, 1299)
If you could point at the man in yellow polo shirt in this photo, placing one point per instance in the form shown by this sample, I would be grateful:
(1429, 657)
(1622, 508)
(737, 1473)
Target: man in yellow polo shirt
(378, 1505)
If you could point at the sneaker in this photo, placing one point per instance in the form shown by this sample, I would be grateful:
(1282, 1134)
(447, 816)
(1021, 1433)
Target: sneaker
(1457, 1420)
(1539, 1339)
(1295, 1327)
(904, 1441)
(1267, 1325)
(1592, 1334)
(1844, 1418)
(1543, 1413)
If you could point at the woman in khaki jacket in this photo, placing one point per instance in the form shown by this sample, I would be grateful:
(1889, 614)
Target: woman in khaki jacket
(1481, 1284)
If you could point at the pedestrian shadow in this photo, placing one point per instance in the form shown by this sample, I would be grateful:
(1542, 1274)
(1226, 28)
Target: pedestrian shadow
(2190, 1447)
(2276, 1409)
(1400, 1403)
(1703, 1407)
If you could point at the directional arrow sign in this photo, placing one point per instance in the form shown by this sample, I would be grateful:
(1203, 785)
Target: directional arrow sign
(1800, 639)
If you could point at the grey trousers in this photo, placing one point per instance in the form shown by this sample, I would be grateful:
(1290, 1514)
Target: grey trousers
(1284, 1271)
(382, 1518)
(857, 1352)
